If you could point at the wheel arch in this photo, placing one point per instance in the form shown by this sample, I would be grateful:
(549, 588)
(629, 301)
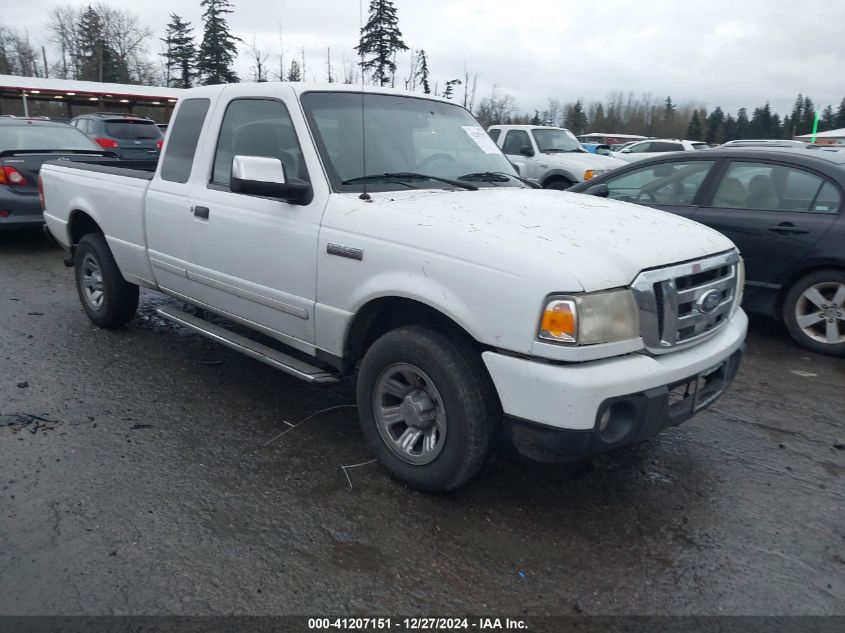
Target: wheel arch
(558, 174)
(382, 314)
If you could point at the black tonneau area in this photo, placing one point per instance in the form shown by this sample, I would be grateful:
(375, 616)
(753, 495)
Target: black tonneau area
(141, 169)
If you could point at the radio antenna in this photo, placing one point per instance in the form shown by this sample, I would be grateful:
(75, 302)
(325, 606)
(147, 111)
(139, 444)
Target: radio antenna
(364, 195)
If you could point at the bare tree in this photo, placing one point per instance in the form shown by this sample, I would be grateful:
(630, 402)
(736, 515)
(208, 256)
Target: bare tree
(469, 92)
(259, 68)
(329, 75)
(496, 108)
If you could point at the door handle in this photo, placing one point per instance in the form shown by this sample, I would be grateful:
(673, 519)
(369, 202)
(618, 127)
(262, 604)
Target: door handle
(785, 228)
(201, 212)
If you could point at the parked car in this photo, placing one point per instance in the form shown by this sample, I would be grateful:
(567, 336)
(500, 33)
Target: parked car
(782, 208)
(597, 148)
(550, 156)
(764, 142)
(130, 137)
(406, 253)
(653, 146)
(25, 143)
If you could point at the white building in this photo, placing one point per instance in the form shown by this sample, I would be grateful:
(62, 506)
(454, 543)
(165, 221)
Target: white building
(831, 137)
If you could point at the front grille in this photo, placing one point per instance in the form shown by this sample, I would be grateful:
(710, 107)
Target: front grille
(684, 303)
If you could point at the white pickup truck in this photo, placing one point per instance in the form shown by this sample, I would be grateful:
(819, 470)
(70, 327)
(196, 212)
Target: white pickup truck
(383, 235)
(550, 156)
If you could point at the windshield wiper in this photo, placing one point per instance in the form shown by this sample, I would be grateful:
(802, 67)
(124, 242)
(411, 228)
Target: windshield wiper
(497, 176)
(398, 176)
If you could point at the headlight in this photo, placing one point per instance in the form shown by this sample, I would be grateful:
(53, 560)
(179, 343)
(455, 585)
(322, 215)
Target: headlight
(592, 173)
(600, 317)
(740, 283)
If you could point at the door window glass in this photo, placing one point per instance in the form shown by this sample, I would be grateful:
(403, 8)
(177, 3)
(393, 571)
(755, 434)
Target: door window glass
(257, 127)
(675, 183)
(748, 185)
(515, 141)
(639, 148)
(494, 134)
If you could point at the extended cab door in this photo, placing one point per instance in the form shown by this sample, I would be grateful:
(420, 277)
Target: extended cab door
(255, 257)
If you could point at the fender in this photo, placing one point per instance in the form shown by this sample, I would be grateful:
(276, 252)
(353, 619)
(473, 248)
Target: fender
(557, 171)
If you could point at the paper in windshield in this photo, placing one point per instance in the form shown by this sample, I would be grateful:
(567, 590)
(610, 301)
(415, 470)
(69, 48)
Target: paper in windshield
(481, 138)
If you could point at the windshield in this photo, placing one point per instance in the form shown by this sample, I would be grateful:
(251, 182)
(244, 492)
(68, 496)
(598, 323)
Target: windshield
(133, 130)
(27, 136)
(403, 135)
(554, 140)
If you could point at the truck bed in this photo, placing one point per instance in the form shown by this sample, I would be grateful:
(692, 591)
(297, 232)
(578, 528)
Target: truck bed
(113, 196)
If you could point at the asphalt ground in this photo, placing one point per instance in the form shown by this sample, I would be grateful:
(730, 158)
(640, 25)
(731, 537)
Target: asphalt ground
(142, 472)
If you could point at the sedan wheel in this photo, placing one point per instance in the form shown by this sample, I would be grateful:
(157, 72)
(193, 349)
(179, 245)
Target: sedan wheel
(814, 312)
(820, 312)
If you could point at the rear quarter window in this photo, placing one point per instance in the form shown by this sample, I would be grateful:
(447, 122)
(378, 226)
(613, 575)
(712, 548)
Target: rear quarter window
(181, 147)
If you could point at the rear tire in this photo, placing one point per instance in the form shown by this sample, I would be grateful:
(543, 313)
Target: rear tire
(558, 183)
(814, 312)
(427, 407)
(107, 298)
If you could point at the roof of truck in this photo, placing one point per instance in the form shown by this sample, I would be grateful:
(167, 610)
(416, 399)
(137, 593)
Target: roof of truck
(302, 87)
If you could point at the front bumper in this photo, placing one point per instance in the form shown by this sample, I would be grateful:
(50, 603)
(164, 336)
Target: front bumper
(545, 402)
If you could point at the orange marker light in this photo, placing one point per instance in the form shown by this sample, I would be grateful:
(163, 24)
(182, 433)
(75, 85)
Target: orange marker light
(559, 321)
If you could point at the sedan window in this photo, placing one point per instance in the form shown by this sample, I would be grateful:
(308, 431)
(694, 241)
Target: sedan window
(674, 183)
(748, 185)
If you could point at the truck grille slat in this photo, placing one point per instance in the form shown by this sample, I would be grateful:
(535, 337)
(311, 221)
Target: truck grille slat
(673, 310)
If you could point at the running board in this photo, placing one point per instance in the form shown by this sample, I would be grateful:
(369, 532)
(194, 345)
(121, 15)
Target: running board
(244, 345)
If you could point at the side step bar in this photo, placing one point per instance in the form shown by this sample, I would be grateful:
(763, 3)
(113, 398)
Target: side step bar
(253, 349)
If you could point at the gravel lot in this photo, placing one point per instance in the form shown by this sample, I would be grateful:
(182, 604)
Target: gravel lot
(136, 478)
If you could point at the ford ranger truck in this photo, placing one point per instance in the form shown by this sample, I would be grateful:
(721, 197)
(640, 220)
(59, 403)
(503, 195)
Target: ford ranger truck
(550, 156)
(383, 236)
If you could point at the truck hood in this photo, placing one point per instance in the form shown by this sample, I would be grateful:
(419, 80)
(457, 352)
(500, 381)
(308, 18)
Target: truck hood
(575, 241)
(581, 160)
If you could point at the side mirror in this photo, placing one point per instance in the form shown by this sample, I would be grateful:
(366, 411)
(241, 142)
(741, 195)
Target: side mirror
(600, 190)
(265, 176)
(526, 150)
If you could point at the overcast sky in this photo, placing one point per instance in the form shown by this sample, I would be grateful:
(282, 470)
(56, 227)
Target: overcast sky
(731, 53)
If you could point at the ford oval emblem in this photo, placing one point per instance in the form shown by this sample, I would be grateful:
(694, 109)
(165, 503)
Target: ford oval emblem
(709, 301)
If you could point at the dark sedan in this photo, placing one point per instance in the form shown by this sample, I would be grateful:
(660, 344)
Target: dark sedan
(783, 208)
(25, 144)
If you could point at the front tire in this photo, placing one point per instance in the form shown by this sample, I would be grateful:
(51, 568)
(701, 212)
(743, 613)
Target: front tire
(814, 312)
(107, 298)
(427, 407)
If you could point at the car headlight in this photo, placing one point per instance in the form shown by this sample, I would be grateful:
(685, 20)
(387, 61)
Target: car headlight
(599, 317)
(592, 173)
(740, 283)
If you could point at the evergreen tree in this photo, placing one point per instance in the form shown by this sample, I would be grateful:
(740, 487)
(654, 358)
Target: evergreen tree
(181, 56)
(808, 116)
(839, 120)
(380, 40)
(743, 125)
(788, 127)
(218, 49)
(294, 73)
(827, 122)
(729, 129)
(575, 119)
(695, 130)
(422, 71)
(98, 61)
(761, 123)
(715, 121)
(796, 117)
(536, 120)
(447, 92)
